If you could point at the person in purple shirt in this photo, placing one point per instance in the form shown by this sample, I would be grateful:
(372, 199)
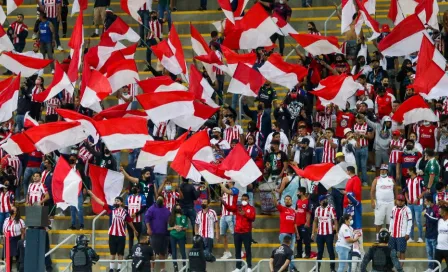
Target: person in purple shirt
(156, 220)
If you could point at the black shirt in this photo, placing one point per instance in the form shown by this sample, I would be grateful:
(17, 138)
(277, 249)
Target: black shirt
(266, 95)
(197, 260)
(189, 195)
(142, 253)
(306, 157)
(21, 251)
(280, 255)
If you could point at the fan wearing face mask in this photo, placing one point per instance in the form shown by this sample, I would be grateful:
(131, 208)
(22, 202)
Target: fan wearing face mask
(427, 135)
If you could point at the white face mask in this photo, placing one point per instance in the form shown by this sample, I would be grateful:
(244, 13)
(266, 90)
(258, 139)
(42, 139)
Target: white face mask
(351, 222)
(244, 203)
(281, 1)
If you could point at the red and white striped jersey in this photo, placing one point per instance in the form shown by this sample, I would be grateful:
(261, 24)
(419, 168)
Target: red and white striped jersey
(6, 200)
(119, 218)
(258, 137)
(325, 120)
(329, 152)
(12, 227)
(135, 203)
(51, 8)
(52, 104)
(36, 90)
(17, 29)
(133, 90)
(156, 29)
(164, 129)
(217, 70)
(395, 154)
(170, 198)
(400, 222)
(231, 133)
(84, 155)
(230, 199)
(414, 188)
(14, 162)
(45, 173)
(325, 217)
(206, 222)
(147, 5)
(361, 130)
(441, 196)
(36, 192)
(67, 98)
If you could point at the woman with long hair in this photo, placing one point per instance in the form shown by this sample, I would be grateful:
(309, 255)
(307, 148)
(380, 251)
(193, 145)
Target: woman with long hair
(346, 238)
(177, 226)
(14, 227)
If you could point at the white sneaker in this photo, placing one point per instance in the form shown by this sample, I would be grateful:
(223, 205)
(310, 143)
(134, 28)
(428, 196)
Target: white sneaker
(60, 214)
(365, 184)
(21, 201)
(87, 200)
(411, 241)
(226, 255)
(52, 71)
(249, 270)
(428, 270)
(34, 37)
(236, 270)
(60, 48)
(420, 240)
(170, 256)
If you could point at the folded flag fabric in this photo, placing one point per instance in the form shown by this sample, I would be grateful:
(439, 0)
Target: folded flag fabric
(160, 84)
(163, 106)
(59, 83)
(414, 110)
(246, 81)
(277, 71)
(8, 99)
(20, 64)
(317, 45)
(327, 174)
(66, 185)
(195, 121)
(28, 121)
(106, 185)
(122, 73)
(119, 30)
(98, 88)
(86, 122)
(18, 144)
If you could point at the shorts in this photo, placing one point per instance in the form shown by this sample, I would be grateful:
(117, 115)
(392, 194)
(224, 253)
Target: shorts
(99, 15)
(226, 223)
(383, 211)
(399, 244)
(117, 245)
(381, 157)
(159, 243)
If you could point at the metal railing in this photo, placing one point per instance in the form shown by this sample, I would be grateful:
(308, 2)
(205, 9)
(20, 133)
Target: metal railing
(60, 244)
(257, 268)
(94, 227)
(328, 19)
(124, 264)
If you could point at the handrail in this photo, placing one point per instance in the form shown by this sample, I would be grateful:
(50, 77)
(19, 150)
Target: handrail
(59, 245)
(94, 227)
(123, 268)
(328, 19)
(239, 109)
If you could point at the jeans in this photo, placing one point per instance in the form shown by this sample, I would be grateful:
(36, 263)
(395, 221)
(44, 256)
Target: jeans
(181, 242)
(393, 170)
(204, 4)
(162, 10)
(55, 23)
(239, 239)
(47, 51)
(251, 198)
(150, 43)
(319, 151)
(80, 211)
(431, 251)
(321, 240)
(338, 199)
(29, 172)
(305, 238)
(208, 246)
(235, 102)
(3, 216)
(19, 122)
(293, 242)
(158, 179)
(138, 228)
(220, 89)
(281, 41)
(191, 214)
(416, 218)
(343, 254)
(142, 28)
(361, 156)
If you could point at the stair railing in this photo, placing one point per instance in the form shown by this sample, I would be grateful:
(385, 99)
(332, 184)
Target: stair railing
(94, 227)
(328, 19)
(60, 244)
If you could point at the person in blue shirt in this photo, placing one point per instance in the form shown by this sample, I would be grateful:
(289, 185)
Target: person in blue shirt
(46, 38)
(432, 218)
(354, 208)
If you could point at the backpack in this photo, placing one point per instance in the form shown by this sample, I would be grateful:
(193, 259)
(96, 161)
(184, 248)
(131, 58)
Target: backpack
(80, 257)
(381, 260)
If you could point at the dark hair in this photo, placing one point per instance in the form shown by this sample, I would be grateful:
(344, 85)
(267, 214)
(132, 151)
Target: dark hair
(439, 185)
(412, 169)
(38, 172)
(275, 134)
(245, 195)
(444, 208)
(44, 16)
(351, 169)
(20, 14)
(302, 126)
(317, 124)
(330, 129)
(429, 152)
(17, 215)
(214, 33)
(288, 196)
(314, 26)
(429, 198)
(287, 239)
(363, 76)
(302, 190)
(355, 16)
(172, 219)
(143, 237)
(344, 218)
(144, 171)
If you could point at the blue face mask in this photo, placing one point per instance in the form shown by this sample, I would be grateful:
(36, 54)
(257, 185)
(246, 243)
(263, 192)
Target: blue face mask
(168, 187)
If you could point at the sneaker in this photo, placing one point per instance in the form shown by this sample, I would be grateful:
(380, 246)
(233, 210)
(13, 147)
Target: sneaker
(60, 48)
(365, 184)
(87, 200)
(226, 255)
(72, 228)
(411, 240)
(34, 37)
(52, 71)
(420, 240)
(94, 35)
(21, 201)
(236, 270)
(60, 214)
(81, 227)
(254, 242)
(373, 169)
(170, 256)
(249, 270)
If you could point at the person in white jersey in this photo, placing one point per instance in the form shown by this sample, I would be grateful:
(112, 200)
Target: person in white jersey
(442, 237)
(382, 195)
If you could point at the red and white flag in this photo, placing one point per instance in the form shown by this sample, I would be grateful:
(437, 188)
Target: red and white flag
(166, 105)
(86, 122)
(111, 114)
(369, 5)
(211, 172)
(158, 152)
(226, 7)
(28, 121)
(427, 11)
(96, 90)
(122, 73)
(123, 133)
(233, 58)
(125, 53)
(414, 110)
(200, 47)
(119, 30)
(405, 38)
(284, 28)
(131, 7)
(240, 167)
(5, 42)
(213, 59)
(76, 44)
(52, 136)
(317, 45)
(400, 9)
(327, 174)
(160, 84)
(166, 57)
(5, 83)
(197, 148)
(364, 17)
(2, 16)
(60, 82)
(106, 185)
(18, 144)
(176, 47)
(277, 71)
(66, 185)
(8, 99)
(194, 122)
(246, 81)
(12, 5)
(252, 31)
(20, 64)
(200, 87)
(112, 111)
(430, 77)
(348, 9)
(337, 90)
(79, 5)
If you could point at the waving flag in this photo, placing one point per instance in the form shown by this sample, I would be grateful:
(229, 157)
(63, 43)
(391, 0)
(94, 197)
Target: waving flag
(167, 105)
(348, 9)
(157, 152)
(211, 172)
(176, 47)
(233, 59)
(131, 7)
(18, 144)
(336, 90)
(96, 90)
(5, 42)
(52, 136)
(327, 174)
(106, 185)
(200, 87)
(79, 5)
(76, 43)
(414, 110)
(213, 59)
(284, 28)
(12, 5)
(364, 17)
(125, 53)
(160, 84)
(60, 82)
(226, 7)
(240, 167)
(66, 185)
(276, 70)
(317, 45)
(122, 73)
(5, 83)
(28, 121)
(200, 47)
(111, 110)
(195, 121)
(119, 30)
(197, 148)
(8, 99)
(405, 38)
(86, 122)
(427, 11)
(2, 16)
(20, 64)
(400, 9)
(369, 5)
(246, 81)
(166, 57)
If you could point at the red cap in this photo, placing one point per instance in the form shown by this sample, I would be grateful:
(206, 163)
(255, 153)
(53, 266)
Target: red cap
(320, 108)
(401, 197)
(396, 133)
(360, 92)
(385, 28)
(36, 43)
(410, 86)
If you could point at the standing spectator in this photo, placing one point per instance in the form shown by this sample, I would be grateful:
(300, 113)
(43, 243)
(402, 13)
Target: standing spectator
(177, 226)
(427, 135)
(305, 155)
(268, 96)
(232, 130)
(303, 223)
(34, 160)
(99, 15)
(135, 203)
(18, 32)
(220, 76)
(354, 208)
(156, 219)
(170, 196)
(361, 130)
(52, 105)
(288, 187)
(46, 38)
(154, 35)
(6, 202)
(144, 14)
(324, 219)
(383, 102)
(395, 149)
(245, 216)
(441, 196)
(227, 221)
(14, 226)
(442, 238)
(188, 195)
(46, 178)
(52, 11)
(144, 185)
(283, 138)
(432, 218)
(330, 145)
(400, 226)
(164, 7)
(383, 136)
(431, 171)
(37, 192)
(414, 196)
(346, 238)
(281, 256)
(282, 10)
(261, 117)
(408, 158)
(79, 210)
(207, 226)
(353, 186)
(64, 14)
(382, 195)
(23, 106)
(377, 74)
(276, 162)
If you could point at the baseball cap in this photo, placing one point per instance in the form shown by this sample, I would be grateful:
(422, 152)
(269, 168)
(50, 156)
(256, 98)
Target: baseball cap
(385, 28)
(339, 154)
(347, 130)
(322, 197)
(401, 197)
(387, 119)
(384, 167)
(396, 133)
(360, 92)
(216, 129)
(305, 141)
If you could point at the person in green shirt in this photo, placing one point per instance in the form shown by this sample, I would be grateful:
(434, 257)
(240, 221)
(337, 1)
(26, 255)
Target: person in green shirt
(432, 171)
(177, 226)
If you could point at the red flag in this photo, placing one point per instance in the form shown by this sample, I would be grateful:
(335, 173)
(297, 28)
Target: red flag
(327, 174)
(160, 84)
(166, 57)
(96, 90)
(227, 9)
(5, 83)
(317, 45)
(118, 108)
(76, 43)
(233, 58)
(12, 5)
(200, 87)
(122, 73)
(336, 90)
(8, 99)
(106, 185)
(20, 64)
(86, 122)
(211, 172)
(414, 110)
(28, 121)
(60, 82)
(276, 70)
(246, 81)
(18, 144)
(66, 185)
(79, 5)
(131, 7)
(119, 30)
(240, 167)
(195, 121)
(5, 42)
(164, 106)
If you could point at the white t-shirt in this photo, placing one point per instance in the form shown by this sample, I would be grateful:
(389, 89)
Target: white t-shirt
(349, 156)
(344, 233)
(385, 190)
(442, 238)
